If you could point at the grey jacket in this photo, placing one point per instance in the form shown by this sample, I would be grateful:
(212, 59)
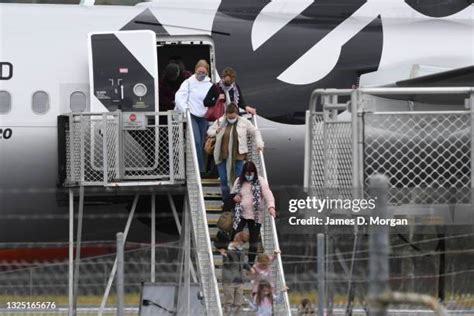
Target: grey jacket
(232, 268)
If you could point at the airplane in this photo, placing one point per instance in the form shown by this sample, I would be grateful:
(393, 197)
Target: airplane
(282, 50)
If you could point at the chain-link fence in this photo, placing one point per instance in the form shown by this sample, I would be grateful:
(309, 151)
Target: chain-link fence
(411, 270)
(47, 281)
(105, 148)
(429, 151)
(427, 156)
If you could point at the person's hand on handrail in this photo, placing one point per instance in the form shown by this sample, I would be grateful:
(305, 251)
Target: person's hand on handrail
(272, 211)
(251, 110)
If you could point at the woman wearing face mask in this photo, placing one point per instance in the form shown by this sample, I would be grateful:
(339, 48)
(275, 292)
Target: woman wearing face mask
(252, 197)
(190, 96)
(231, 145)
(227, 90)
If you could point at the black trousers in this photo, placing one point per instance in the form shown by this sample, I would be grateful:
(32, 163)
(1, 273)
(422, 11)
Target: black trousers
(254, 232)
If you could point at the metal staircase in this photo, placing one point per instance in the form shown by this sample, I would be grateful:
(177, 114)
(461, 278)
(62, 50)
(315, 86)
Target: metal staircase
(202, 239)
(204, 196)
(98, 151)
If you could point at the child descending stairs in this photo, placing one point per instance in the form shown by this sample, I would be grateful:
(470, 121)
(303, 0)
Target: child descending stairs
(214, 205)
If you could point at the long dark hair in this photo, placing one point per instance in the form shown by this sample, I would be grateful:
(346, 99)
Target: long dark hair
(259, 296)
(249, 167)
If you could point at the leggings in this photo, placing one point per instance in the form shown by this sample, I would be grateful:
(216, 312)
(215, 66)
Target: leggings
(254, 232)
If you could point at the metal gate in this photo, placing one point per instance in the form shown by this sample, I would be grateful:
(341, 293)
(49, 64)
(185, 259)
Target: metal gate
(427, 155)
(100, 151)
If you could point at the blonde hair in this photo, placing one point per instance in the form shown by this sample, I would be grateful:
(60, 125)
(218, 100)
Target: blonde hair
(242, 236)
(263, 259)
(202, 63)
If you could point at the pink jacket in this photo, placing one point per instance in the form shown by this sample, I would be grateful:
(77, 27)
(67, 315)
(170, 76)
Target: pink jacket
(246, 193)
(262, 274)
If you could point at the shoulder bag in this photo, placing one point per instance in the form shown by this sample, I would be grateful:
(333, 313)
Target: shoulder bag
(216, 111)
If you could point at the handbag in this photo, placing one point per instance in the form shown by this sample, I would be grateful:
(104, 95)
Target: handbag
(210, 143)
(225, 221)
(215, 112)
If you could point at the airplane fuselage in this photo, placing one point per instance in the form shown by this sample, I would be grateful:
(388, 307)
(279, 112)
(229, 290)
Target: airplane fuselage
(281, 54)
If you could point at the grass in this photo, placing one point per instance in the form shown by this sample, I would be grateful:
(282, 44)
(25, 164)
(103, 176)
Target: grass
(133, 299)
(459, 300)
(130, 299)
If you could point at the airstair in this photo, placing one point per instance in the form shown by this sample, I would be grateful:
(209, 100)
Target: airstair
(156, 149)
(209, 202)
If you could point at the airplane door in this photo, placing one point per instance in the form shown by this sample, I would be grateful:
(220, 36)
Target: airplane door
(123, 71)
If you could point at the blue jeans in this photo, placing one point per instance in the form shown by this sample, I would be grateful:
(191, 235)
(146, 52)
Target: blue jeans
(200, 126)
(222, 170)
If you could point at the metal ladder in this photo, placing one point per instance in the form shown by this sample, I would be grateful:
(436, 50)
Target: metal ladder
(204, 216)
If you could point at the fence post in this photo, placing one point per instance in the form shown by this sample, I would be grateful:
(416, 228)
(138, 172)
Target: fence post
(378, 247)
(71, 311)
(31, 282)
(471, 107)
(105, 154)
(321, 275)
(153, 238)
(120, 274)
(355, 145)
(78, 247)
(170, 145)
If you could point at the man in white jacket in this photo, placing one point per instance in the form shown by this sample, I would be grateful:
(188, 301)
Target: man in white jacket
(190, 96)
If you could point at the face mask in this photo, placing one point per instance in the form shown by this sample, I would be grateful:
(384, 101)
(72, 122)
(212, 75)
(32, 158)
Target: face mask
(232, 121)
(200, 77)
(249, 177)
(227, 84)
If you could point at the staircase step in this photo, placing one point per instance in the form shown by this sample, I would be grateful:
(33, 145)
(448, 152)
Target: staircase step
(210, 182)
(213, 232)
(213, 205)
(218, 260)
(211, 192)
(212, 218)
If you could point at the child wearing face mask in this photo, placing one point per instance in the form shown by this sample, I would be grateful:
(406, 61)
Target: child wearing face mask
(231, 146)
(190, 96)
(252, 197)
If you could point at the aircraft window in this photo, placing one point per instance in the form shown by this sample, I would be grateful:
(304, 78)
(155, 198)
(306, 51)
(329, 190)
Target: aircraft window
(40, 102)
(77, 101)
(5, 102)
